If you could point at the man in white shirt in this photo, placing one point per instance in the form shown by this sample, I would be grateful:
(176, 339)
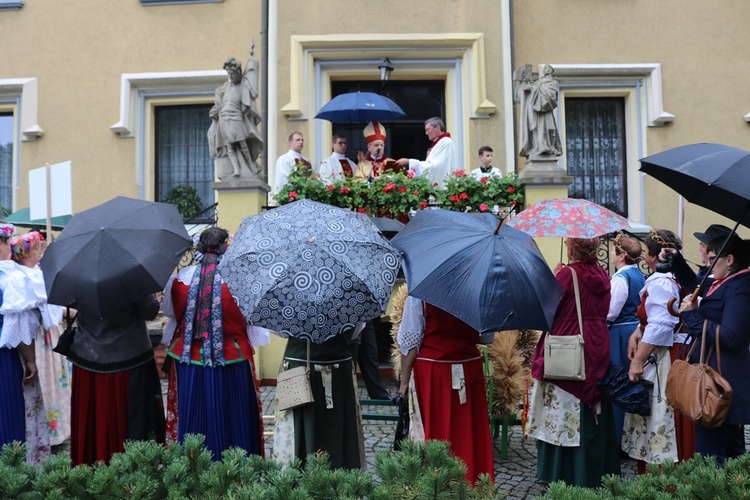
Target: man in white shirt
(337, 166)
(485, 165)
(286, 162)
(442, 158)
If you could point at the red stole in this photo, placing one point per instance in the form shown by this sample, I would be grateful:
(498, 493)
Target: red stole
(444, 134)
(303, 166)
(346, 167)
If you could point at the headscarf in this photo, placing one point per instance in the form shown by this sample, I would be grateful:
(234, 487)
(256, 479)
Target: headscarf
(204, 306)
(22, 245)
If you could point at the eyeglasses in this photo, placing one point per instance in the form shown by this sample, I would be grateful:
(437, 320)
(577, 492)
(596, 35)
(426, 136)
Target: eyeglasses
(713, 258)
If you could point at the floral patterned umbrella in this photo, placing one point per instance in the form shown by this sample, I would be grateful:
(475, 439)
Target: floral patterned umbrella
(568, 218)
(309, 270)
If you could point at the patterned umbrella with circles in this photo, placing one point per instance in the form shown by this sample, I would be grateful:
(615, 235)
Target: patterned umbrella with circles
(309, 270)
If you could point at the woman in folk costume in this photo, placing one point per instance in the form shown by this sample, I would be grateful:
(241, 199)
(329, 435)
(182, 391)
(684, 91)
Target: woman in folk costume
(333, 422)
(54, 369)
(653, 440)
(442, 370)
(726, 304)
(21, 404)
(626, 285)
(573, 425)
(212, 385)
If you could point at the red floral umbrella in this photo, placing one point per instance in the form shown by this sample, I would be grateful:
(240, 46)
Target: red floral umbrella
(568, 218)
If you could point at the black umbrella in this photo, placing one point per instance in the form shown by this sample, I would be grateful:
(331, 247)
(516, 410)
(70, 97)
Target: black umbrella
(492, 277)
(113, 254)
(714, 176)
(389, 227)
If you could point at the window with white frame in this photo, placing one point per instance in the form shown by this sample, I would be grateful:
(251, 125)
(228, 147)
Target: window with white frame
(6, 161)
(182, 155)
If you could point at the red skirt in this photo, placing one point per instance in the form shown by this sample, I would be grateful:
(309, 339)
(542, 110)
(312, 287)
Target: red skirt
(465, 426)
(108, 408)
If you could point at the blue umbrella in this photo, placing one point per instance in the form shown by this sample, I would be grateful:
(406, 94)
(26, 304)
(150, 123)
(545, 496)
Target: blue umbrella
(309, 270)
(360, 107)
(490, 276)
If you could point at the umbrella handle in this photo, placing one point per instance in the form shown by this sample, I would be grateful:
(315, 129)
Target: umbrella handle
(672, 300)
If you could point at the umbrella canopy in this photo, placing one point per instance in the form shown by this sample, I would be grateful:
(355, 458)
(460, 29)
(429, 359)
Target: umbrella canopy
(360, 107)
(491, 279)
(22, 218)
(568, 218)
(113, 254)
(714, 176)
(389, 227)
(309, 270)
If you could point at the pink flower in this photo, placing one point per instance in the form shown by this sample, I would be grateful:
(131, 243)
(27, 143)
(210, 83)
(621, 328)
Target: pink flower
(344, 189)
(463, 196)
(53, 425)
(389, 187)
(410, 174)
(315, 176)
(416, 193)
(330, 187)
(483, 207)
(459, 173)
(403, 189)
(292, 195)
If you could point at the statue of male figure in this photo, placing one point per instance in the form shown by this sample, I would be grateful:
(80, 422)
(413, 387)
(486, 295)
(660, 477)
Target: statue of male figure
(538, 133)
(234, 120)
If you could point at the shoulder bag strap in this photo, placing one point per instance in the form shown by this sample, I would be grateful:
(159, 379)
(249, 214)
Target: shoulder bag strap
(308, 356)
(718, 349)
(578, 301)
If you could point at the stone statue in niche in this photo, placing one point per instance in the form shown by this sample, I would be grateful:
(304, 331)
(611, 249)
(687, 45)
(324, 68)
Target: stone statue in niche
(233, 137)
(539, 137)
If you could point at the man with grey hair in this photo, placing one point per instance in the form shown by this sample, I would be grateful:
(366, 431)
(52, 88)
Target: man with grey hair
(441, 158)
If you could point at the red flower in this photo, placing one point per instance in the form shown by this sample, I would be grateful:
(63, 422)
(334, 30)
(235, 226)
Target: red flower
(344, 189)
(389, 187)
(403, 189)
(416, 193)
(513, 203)
(330, 187)
(361, 210)
(511, 189)
(463, 196)
(423, 205)
(485, 180)
(435, 184)
(483, 207)
(292, 195)
(459, 173)
(453, 198)
(316, 176)
(410, 174)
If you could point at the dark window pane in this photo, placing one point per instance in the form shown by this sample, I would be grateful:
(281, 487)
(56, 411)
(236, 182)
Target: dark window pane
(6, 161)
(182, 155)
(595, 149)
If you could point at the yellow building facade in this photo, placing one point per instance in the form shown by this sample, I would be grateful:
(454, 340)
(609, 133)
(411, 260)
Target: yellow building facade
(97, 82)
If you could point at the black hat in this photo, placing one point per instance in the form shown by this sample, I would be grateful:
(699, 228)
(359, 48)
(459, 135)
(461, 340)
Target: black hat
(713, 231)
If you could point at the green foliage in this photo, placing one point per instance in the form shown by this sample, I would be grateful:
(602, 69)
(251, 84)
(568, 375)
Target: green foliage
(186, 199)
(465, 193)
(149, 470)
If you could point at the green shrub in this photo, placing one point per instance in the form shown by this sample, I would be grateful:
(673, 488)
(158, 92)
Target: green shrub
(149, 470)
(186, 199)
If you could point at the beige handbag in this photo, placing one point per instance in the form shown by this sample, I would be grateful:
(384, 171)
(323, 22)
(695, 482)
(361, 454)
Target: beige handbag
(563, 354)
(293, 386)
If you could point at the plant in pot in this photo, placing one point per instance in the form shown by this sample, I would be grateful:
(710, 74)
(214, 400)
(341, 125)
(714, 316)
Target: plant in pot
(186, 199)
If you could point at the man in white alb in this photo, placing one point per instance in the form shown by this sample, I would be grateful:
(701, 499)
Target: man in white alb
(442, 158)
(286, 162)
(337, 166)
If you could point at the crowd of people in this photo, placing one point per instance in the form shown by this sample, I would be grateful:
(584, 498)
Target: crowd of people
(108, 391)
(642, 325)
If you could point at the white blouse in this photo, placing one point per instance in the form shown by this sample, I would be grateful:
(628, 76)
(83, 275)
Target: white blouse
(411, 330)
(660, 327)
(619, 293)
(19, 308)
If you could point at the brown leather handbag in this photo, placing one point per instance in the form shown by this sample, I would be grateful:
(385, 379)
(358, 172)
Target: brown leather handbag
(697, 390)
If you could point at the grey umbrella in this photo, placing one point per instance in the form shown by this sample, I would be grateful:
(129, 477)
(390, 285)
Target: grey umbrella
(113, 254)
(309, 270)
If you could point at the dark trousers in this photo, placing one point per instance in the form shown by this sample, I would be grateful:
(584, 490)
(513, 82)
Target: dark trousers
(365, 354)
(727, 441)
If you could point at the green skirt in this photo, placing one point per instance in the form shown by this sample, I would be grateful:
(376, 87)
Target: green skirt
(584, 465)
